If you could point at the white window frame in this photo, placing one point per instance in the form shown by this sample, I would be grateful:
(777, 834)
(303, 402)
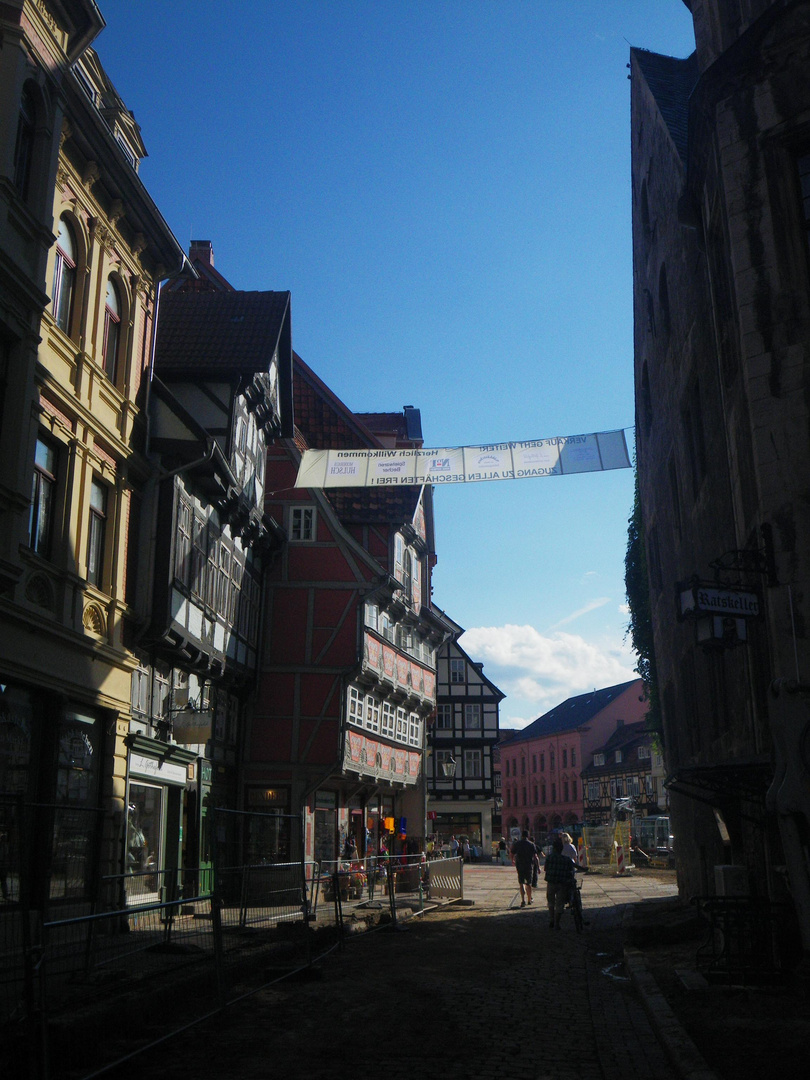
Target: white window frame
(644, 753)
(303, 524)
(599, 759)
(388, 720)
(618, 757)
(355, 706)
(414, 729)
(402, 725)
(473, 765)
(372, 615)
(372, 713)
(472, 716)
(444, 717)
(457, 670)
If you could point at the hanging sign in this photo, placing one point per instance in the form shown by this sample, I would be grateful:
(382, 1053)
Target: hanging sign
(557, 456)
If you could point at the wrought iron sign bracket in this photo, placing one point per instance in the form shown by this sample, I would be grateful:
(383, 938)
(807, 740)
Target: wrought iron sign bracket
(748, 562)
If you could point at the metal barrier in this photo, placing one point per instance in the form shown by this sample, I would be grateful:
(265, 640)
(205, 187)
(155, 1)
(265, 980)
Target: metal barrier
(253, 927)
(741, 946)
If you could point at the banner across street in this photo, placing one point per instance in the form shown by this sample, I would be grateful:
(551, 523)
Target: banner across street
(558, 456)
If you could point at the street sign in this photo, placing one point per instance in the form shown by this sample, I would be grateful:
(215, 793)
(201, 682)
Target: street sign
(697, 598)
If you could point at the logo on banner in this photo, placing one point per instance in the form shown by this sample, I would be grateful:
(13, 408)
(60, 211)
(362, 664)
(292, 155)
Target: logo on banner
(440, 464)
(488, 459)
(343, 468)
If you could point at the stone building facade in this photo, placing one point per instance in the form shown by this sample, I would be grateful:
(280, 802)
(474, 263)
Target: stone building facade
(721, 179)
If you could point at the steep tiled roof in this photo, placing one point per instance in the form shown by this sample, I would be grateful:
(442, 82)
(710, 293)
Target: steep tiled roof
(571, 714)
(212, 332)
(325, 423)
(627, 733)
(671, 81)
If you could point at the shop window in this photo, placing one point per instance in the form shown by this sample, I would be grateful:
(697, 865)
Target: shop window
(77, 773)
(96, 533)
(112, 330)
(144, 821)
(64, 276)
(43, 493)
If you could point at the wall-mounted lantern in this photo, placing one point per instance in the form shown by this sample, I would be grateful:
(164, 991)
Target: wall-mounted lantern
(449, 768)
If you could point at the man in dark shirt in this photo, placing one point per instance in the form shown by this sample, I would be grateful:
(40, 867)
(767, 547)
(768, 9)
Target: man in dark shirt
(560, 874)
(523, 855)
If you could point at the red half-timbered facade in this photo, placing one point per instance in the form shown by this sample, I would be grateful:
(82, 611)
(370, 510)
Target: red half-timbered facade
(348, 671)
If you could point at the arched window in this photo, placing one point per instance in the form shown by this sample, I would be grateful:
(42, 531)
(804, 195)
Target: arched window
(24, 147)
(112, 328)
(64, 276)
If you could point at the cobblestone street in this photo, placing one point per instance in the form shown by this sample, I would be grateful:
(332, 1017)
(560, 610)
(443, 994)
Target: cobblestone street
(482, 991)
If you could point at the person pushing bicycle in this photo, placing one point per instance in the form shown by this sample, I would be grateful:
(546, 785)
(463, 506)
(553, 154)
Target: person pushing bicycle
(560, 877)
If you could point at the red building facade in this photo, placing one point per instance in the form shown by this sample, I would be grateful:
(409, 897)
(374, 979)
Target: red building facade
(541, 765)
(348, 674)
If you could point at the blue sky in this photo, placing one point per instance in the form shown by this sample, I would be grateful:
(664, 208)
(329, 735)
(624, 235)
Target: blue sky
(445, 189)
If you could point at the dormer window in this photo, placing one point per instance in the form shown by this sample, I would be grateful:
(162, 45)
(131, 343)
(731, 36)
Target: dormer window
(124, 146)
(599, 759)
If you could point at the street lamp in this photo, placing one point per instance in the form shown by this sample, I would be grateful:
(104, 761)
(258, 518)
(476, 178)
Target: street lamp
(449, 768)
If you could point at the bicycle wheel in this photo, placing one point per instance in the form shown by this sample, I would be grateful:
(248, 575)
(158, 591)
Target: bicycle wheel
(576, 909)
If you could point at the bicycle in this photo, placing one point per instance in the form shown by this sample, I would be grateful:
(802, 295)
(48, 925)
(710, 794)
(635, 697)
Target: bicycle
(575, 904)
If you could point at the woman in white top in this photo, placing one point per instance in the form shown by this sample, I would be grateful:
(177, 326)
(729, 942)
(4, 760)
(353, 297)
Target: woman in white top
(568, 847)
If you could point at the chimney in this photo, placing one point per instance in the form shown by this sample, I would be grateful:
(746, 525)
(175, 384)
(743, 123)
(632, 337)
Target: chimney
(201, 251)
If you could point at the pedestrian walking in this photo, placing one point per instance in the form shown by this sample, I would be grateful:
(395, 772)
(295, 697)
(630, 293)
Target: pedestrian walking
(560, 875)
(568, 848)
(523, 855)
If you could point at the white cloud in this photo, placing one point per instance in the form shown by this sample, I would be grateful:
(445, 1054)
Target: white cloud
(538, 671)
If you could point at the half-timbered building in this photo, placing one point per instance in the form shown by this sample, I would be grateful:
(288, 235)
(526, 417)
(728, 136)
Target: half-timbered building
(222, 391)
(626, 766)
(348, 669)
(461, 799)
